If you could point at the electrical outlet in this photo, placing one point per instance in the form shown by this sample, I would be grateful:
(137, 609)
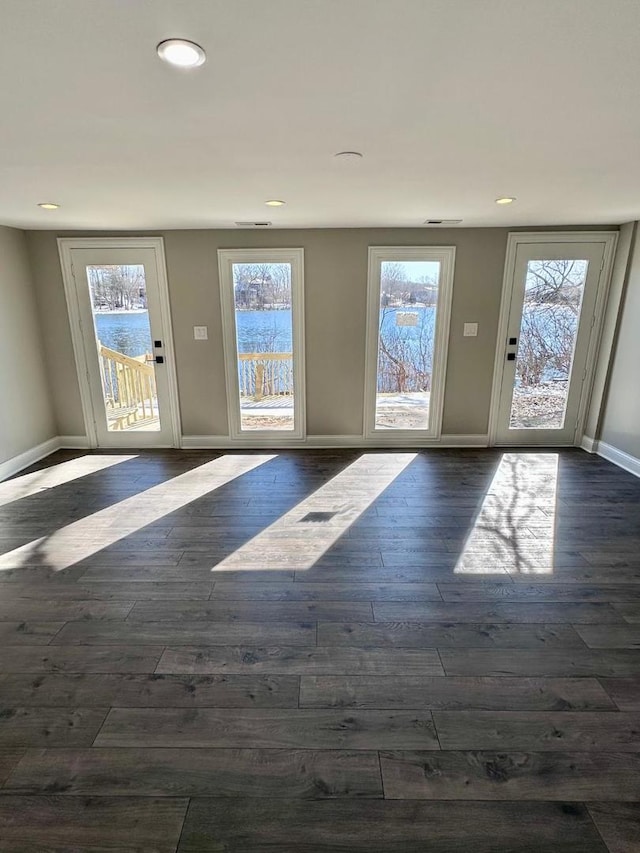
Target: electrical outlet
(200, 333)
(470, 330)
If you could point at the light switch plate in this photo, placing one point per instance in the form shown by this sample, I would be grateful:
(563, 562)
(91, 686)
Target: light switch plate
(470, 330)
(200, 333)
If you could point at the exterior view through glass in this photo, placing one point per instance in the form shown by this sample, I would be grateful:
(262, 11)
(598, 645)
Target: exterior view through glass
(548, 331)
(123, 339)
(264, 345)
(406, 339)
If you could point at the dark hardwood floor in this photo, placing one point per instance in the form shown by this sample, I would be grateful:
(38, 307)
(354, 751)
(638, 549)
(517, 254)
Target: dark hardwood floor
(320, 651)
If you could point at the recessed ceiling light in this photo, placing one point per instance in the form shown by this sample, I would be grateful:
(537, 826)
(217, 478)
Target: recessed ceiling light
(48, 205)
(505, 199)
(346, 156)
(181, 53)
(275, 202)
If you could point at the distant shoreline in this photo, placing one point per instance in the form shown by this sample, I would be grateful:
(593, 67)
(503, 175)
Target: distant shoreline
(121, 311)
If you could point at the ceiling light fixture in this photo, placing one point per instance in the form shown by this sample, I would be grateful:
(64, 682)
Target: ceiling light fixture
(348, 156)
(181, 53)
(48, 205)
(505, 199)
(275, 202)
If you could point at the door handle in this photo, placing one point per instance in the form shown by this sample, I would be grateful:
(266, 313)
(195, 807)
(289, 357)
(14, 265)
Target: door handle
(158, 359)
(511, 356)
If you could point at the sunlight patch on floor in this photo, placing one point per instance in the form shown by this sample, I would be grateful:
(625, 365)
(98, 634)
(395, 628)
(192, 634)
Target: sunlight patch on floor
(56, 475)
(89, 535)
(304, 534)
(501, 538)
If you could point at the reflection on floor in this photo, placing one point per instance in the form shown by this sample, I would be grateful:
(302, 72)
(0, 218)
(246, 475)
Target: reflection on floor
(320, 651)
(515, 524)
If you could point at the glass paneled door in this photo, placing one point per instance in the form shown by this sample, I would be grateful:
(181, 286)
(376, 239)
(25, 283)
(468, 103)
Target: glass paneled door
(548, 340)
(409, 305)
(122, 342)
(263, 330)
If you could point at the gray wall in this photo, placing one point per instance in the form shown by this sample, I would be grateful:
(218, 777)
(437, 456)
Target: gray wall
(335, 302)
(621, 415)
(335, 309)
(26, 415)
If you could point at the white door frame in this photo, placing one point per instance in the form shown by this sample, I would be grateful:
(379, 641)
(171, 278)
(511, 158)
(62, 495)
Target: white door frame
(226, 259)
(515, 239)
(65, 248)
(446, 256)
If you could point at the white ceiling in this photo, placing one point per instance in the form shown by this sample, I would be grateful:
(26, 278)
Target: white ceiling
(452, 102)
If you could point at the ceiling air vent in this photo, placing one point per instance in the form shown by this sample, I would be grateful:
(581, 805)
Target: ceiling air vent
(442, 221)
(253, 224)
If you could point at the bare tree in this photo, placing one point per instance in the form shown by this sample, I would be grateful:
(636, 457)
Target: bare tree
(260, 287)
(558, 282)
(393, 277)
(553, 297)
(117, 287)
(281, 285)
(405, 354)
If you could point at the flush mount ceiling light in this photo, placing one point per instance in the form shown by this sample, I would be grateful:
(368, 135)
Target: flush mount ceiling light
(348, 156)
(275, 202)
(48, 205)
(505, 199)
(181, 53)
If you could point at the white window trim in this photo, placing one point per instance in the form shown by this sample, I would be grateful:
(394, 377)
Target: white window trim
(445, 255)
(294, 257)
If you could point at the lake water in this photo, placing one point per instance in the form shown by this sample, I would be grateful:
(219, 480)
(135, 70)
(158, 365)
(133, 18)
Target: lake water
(125, 332)
(264, 331)
(258, 331)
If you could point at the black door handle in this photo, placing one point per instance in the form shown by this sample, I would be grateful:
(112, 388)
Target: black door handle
(511, 356)
(159, 359)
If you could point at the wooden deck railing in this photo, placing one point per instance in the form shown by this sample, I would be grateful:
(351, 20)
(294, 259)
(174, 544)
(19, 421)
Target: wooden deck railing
(129, 386)
(265, 374)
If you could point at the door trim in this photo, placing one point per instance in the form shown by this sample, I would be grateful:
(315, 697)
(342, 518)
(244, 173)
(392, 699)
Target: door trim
(515, 239)
(65, 247)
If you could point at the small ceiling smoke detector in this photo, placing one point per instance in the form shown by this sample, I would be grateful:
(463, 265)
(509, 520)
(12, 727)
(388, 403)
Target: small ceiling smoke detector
(505, 199)
(275, 202)
(348, 156)
(181, 53)
(48, 205)
(442, 221)
(253, 224)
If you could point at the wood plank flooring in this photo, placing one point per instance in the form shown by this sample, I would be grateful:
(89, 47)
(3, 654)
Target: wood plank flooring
(320, 651)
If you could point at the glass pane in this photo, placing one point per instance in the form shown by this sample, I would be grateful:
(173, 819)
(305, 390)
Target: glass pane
(549, 327)
(408, 304)
(123, 339)
(264, 336)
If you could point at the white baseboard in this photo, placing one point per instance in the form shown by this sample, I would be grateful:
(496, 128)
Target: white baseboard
(464, 440)
(618, 457)
(35, 454)
(217, 442)
(221, 442)
(29, 457)
(73, 442)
